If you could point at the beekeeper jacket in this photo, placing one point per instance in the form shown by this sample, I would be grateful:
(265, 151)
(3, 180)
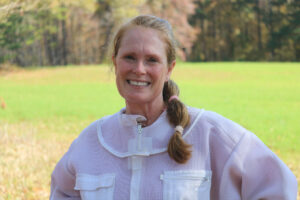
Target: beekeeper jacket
(117, 158)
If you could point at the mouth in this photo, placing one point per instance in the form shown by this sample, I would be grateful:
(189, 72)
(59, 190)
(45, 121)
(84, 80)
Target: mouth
(138, 83)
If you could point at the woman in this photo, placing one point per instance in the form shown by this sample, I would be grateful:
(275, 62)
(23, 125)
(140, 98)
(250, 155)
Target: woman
(158, 148)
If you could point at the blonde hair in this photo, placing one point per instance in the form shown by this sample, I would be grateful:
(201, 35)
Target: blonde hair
(177, 112)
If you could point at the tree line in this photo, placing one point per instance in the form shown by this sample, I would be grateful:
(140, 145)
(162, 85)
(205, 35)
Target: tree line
(61, 32)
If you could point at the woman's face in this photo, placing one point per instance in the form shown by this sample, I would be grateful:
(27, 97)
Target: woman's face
(141, 66)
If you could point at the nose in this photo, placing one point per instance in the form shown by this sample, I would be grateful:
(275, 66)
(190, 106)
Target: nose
(140, 68)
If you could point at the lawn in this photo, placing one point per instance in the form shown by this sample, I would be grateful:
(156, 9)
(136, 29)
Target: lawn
(46, 108)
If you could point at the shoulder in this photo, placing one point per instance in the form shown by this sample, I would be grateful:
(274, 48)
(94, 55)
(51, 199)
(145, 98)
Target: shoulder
(215, 120)
(92, 129)
(217, 127)
(89, 134)
(223, 125)
(86, 145)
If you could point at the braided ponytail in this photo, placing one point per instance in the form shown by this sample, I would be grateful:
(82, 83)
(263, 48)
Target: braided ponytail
(178, 115)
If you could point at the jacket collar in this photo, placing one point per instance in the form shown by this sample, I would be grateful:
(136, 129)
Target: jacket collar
(128, 120)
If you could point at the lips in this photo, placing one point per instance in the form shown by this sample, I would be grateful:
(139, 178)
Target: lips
(138, 83)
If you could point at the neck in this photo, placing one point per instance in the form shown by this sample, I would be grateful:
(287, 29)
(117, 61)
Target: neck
(149, 110)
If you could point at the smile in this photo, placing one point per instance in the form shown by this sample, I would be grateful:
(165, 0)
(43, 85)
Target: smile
(138, 83)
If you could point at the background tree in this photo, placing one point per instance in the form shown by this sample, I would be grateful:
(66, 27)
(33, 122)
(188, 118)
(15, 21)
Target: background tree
(177, 13)
(110, 13)
(57, 32)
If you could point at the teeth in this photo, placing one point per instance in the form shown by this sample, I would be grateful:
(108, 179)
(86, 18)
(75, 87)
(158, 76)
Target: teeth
(138, 83)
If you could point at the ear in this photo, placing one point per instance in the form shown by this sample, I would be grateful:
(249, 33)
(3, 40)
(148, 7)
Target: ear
(170, 69)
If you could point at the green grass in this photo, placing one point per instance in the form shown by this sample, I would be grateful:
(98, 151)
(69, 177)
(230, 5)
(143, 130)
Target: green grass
(59, 102)
(263, 97)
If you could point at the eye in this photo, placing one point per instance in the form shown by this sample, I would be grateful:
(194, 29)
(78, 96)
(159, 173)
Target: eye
(152, 59)
(129, 57)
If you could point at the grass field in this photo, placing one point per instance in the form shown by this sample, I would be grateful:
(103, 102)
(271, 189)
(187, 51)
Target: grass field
(46, 108)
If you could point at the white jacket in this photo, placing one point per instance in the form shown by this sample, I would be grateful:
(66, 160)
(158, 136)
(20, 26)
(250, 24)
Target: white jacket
(115, 158)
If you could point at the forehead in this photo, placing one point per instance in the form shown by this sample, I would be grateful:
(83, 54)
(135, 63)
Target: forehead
(141, 38)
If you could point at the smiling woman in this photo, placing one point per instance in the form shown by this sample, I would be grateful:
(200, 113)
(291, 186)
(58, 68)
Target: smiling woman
(157, 147)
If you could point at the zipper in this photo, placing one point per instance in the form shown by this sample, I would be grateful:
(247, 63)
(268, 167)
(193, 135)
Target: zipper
(139, 130)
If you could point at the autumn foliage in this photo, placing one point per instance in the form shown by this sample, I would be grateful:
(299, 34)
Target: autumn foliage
(55, 32)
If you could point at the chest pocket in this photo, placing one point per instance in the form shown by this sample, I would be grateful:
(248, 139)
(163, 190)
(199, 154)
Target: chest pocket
(186, 185)
(93, 187)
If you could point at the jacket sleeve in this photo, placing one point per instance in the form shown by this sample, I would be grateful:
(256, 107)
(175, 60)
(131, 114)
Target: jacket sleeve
(63, 181)
(254, 172)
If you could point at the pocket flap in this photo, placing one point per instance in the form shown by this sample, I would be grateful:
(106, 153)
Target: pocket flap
(187, 175)
(93, 182)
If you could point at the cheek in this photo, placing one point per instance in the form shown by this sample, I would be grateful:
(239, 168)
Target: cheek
(121, 69)
(161, 75)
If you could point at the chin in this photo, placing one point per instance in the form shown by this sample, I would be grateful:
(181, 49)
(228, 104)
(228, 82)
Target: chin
(137, 99)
